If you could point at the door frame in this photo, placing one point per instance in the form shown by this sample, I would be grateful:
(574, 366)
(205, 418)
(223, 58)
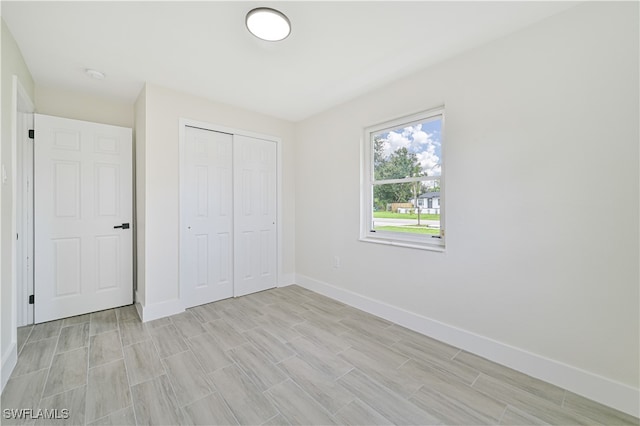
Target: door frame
(183, 123)
(22, 246)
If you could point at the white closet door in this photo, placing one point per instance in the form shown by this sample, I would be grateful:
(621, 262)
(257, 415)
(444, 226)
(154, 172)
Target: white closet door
(206, 259)
(255, 243)
(83, 190)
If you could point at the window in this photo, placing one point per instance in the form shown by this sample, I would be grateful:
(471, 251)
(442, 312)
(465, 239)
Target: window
(403, 182)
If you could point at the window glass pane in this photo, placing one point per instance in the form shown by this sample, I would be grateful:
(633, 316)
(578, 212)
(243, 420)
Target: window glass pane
(414, 207)
(411, 151)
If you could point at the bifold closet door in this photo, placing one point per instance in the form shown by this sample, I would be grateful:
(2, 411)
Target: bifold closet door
(255, 241)
(206, 259)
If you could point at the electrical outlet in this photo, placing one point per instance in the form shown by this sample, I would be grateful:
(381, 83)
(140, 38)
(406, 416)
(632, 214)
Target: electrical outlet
(336, 261)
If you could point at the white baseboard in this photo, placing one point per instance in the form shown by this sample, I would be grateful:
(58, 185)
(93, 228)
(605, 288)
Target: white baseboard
(154, 311)
(286, 280)
(605, 391)
(9, 361)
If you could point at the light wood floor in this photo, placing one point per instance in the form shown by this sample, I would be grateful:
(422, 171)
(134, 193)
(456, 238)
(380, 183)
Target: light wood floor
(284, 356)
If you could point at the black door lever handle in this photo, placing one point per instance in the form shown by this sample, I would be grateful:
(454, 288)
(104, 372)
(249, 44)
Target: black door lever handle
(123, 226)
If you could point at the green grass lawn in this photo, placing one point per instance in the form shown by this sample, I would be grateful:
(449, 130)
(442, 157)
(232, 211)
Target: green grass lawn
(390, 215)
(410, 229)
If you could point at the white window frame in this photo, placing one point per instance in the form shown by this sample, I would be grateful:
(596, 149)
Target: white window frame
(367, 234)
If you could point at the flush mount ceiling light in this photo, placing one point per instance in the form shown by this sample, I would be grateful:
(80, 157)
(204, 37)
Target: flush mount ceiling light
(94, 74)
(268, 24)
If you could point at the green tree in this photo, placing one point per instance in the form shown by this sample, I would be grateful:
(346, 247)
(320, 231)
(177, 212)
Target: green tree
(399, 165)
(378, 155)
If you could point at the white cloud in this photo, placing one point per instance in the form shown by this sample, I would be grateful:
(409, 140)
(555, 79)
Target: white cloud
(421, 138)
(429, 161)
(395, 141)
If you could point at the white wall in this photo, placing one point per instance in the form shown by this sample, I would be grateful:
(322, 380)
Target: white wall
(158, 204)
(81, 106)
(536, 124)
(12, 64)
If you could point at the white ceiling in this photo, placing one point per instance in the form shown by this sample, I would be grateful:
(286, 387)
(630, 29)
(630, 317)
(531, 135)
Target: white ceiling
(336, 51)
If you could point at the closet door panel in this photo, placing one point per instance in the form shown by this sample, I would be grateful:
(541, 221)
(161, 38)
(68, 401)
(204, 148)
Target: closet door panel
(255, 236)
(206, 258)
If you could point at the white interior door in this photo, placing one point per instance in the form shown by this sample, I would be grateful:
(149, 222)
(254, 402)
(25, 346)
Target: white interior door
(206, 264)
(255, 242)
(83, 197)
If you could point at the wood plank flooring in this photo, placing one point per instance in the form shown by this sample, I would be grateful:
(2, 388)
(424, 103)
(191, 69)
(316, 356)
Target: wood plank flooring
(283, 356)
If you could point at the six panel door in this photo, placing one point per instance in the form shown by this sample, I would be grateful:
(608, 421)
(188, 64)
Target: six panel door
(206, 264)
(255, 237)
(83, 197)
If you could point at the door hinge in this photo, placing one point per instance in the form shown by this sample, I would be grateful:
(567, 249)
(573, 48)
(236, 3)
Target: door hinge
(32, 299)
(32, 134)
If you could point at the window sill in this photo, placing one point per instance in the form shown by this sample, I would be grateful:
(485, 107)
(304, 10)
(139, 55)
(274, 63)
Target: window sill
(406, 244)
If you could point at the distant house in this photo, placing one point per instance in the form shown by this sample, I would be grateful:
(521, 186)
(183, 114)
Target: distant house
(429, 202)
